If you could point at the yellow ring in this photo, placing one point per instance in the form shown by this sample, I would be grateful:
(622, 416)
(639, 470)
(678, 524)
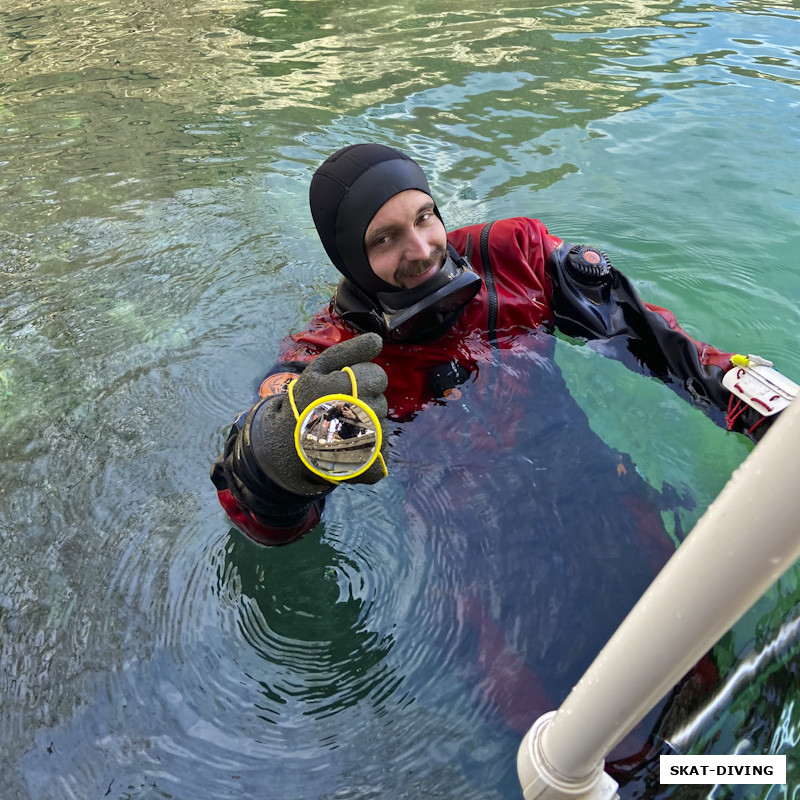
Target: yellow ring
(348, 399)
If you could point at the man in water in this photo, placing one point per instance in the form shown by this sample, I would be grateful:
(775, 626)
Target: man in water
(444, 308)
(531, 536)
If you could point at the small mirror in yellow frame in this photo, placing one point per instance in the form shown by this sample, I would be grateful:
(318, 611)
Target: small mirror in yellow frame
(338, 437)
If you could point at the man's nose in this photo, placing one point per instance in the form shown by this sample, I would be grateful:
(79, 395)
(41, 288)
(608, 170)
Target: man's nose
(417, 247)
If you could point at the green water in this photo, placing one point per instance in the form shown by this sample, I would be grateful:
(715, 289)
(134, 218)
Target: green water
(155, 244)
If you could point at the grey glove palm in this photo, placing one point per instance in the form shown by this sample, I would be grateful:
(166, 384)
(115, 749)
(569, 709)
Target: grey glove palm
(270, 429)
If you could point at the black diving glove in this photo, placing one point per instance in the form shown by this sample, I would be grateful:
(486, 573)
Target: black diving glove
(269, 431)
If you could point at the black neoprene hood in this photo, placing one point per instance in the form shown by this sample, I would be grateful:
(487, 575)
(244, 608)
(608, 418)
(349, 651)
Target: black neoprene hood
(346, 192)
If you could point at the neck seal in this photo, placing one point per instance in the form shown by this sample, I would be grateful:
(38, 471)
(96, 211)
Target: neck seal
(420, 314)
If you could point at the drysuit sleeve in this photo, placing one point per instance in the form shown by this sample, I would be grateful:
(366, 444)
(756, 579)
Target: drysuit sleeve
(594, 301)
(264, 511)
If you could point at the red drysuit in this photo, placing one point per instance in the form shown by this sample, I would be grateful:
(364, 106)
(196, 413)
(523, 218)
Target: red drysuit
(526, 288)
(532, 533)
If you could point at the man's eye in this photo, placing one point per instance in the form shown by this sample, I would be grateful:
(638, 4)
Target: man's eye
(379, 241)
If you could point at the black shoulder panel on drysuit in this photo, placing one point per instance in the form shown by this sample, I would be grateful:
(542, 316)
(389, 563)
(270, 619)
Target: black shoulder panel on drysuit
(603, 304)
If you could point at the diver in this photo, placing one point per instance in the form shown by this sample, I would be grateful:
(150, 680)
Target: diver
(418, 312)
(526, 538)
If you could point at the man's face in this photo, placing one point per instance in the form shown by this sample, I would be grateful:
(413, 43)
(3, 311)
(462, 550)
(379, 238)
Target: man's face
(405, 241)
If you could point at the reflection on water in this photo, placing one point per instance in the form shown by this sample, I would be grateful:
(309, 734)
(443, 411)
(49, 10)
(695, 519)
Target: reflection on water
(311, 621)
(155, 243)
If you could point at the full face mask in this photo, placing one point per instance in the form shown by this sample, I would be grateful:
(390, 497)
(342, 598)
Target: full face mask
(346, 192)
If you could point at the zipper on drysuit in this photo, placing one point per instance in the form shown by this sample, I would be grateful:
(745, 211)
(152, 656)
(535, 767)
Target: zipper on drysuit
(491, 289)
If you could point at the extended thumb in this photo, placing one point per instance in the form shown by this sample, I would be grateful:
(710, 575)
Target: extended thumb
(354, 351)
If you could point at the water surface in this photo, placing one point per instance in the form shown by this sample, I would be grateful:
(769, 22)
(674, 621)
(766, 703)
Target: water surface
(155, 244)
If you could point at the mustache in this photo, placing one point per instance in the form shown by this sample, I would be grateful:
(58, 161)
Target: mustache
(410, 269)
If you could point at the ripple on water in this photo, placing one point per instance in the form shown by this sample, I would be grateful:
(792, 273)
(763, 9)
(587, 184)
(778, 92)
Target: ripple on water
(306, 636)
(146, 652)
(325, 640)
